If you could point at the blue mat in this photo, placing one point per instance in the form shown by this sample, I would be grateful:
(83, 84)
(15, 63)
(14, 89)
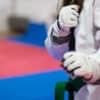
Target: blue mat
(32, 87)
(35, 35)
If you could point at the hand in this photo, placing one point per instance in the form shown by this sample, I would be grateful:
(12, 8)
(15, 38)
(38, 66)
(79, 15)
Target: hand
(68, 16)
(81, 65)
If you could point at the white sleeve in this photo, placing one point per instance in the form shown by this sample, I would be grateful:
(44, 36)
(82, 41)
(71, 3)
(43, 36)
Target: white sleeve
(56, 50)
(97, 25)
(96, 55)
(97, 13)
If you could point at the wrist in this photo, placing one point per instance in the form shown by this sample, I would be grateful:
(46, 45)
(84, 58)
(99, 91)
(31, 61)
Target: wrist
(60, 39)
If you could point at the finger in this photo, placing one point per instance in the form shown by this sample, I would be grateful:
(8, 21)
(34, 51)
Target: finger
(75, 13)
(69, 61)
(72, 71)
(74, 18)
(75, 7)
(67, 55)
(73, 67)
(73, 24)
(65, 68)
(68, 72)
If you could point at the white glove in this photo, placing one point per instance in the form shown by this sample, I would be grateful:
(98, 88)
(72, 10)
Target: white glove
(81, 65)
(68, 16)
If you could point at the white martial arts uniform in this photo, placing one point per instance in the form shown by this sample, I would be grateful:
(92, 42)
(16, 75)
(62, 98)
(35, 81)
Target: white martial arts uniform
(87, 36)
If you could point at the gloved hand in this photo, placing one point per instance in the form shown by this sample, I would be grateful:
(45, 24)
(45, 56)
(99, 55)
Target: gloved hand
(81, 65)
(68, 16)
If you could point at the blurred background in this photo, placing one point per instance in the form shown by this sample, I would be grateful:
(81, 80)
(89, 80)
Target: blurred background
(26, 11)
(27, 71)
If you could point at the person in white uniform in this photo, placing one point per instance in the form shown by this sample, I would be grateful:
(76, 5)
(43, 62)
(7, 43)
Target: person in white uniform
(84, 61)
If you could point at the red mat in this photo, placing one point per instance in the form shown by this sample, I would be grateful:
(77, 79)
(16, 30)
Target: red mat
(19, 59)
